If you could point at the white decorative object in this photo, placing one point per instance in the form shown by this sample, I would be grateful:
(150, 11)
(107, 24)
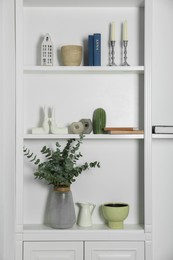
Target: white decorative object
(47, 51)
(54, 129)
(87, 123)
(44, 129)
(85, 213)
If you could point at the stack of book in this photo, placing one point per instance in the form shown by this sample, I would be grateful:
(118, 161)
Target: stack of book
(162, 129)
(123, 130)
(94, 49)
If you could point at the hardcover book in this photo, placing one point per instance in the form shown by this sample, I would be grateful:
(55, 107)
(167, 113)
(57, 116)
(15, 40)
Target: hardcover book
(115, 132)
(162, 129)
(126, 128)
(97, 49)
(123, 130)
(90, 50)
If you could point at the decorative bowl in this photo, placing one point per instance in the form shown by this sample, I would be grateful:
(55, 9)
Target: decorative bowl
(71, 55)
(115, 214)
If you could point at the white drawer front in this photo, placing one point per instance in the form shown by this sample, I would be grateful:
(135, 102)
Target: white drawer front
(53, 251)
(114, 251)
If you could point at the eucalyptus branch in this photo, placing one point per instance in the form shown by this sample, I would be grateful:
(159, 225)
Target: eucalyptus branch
(60, 167)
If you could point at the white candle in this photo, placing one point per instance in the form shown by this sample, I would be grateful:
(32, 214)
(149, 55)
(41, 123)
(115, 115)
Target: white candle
(125, 37)
(113, 31)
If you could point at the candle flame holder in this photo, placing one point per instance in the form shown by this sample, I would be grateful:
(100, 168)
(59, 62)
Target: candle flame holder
(125, 43)
(112, 54)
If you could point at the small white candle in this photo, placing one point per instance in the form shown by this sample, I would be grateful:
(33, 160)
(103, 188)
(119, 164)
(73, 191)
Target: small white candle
(113, 31)
(125, 37)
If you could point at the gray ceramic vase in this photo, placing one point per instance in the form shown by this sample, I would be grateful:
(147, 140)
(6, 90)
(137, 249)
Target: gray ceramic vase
(61, 213)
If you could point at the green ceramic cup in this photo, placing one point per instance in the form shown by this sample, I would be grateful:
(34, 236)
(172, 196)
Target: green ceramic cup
(115, 214)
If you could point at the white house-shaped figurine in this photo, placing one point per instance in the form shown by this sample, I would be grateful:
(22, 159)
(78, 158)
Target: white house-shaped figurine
(47, 51)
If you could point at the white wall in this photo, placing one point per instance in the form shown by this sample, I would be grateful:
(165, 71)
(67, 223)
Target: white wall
(162, 107)
(7, 130)
(1, 109)
(162, 61)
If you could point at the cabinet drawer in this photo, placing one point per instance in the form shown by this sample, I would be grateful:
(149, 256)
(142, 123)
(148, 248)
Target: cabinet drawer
(114, 250)
(53, 250)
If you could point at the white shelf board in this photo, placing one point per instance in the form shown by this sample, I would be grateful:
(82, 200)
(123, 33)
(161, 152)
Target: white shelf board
(96, 232)
(89, 136)
(84, 69)
(84, 3)
(162, 136)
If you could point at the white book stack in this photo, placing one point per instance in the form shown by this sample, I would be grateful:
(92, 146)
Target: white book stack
(162, 129)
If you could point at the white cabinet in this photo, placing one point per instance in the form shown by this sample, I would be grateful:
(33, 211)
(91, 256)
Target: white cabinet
(75, 92)
(53, 250)
(114, 250)
(92, 250)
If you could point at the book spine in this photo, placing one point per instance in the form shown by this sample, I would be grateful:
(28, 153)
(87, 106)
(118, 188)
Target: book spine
(90, 50)
(97, 49)
(153, 129)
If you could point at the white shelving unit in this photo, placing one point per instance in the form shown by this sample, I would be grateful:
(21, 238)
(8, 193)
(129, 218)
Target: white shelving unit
(75, 92)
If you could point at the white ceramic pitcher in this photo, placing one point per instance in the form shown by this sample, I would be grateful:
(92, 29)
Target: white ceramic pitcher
(85, 214)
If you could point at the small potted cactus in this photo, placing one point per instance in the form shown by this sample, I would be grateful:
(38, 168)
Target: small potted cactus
(99, 121)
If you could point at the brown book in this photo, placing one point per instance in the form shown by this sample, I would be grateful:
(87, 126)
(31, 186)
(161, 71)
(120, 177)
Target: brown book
(126, 132)
(120, 128)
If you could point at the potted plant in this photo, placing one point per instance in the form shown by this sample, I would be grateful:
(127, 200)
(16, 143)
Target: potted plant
(60, 169)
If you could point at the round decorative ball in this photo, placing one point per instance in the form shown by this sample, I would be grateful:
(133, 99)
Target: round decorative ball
(71, 55)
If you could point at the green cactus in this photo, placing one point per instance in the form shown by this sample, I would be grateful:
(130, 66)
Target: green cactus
(99, 121)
